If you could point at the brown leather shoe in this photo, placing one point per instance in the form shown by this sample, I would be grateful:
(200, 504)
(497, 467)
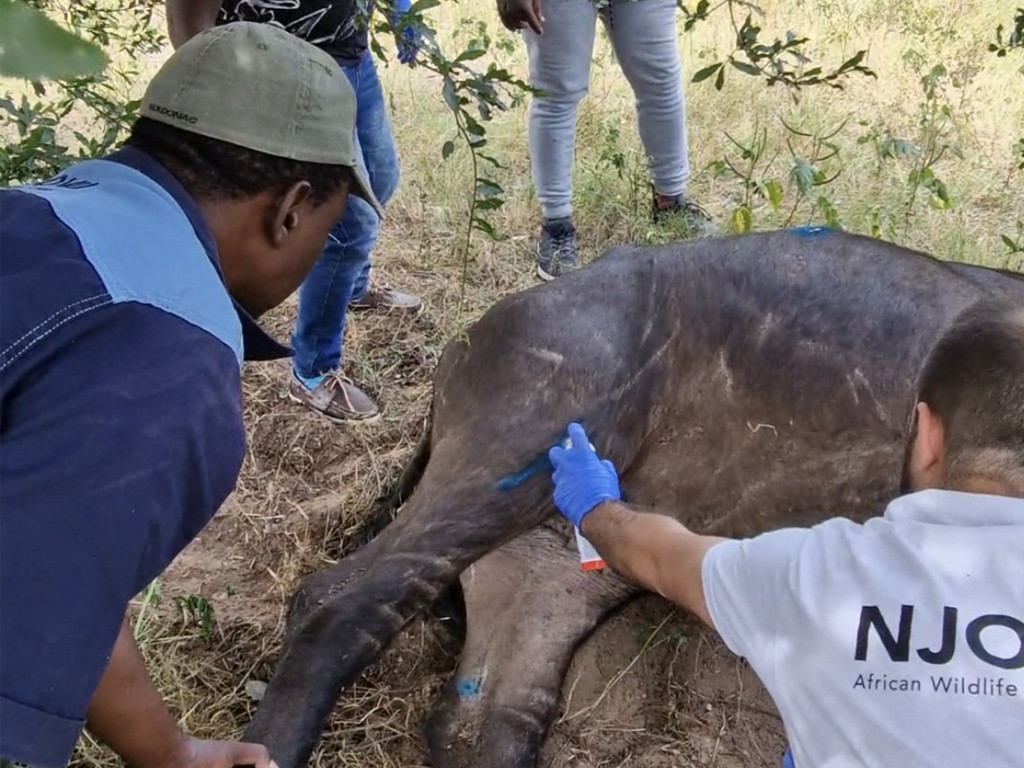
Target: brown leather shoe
(336, 397)
(380, 295)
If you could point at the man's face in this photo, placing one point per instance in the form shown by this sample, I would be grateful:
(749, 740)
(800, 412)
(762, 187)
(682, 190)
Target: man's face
(274, 243)
(300, 249)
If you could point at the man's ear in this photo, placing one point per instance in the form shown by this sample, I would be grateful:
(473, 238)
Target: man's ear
(286, 211)
(929, 449)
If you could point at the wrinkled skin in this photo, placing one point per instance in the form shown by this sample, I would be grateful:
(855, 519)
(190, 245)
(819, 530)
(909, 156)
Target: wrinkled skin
(739, 384)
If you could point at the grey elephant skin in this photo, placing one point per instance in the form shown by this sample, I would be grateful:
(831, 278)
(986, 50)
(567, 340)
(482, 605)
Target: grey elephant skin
(740, 384)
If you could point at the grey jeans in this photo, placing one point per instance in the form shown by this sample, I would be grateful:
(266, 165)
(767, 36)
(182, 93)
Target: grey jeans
(643, 34)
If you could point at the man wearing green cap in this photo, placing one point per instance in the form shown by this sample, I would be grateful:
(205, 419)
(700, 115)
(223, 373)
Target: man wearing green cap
(342, 278)
(128, 288)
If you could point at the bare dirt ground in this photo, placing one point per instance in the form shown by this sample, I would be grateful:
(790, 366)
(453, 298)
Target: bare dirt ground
(651, 688)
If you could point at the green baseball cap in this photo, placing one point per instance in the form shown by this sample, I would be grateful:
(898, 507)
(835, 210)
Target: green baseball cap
(259, 87)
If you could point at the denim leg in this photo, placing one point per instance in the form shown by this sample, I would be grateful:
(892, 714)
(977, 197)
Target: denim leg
(373, 129)
(643, 34)
(559, 65)
(340, 273)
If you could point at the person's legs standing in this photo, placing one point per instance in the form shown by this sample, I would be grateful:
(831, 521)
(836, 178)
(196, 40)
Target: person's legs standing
(560, 66)
(643, 34)
(378, 151)
(343, 266)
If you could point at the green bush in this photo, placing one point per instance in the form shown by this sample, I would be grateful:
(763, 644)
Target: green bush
(40, 139)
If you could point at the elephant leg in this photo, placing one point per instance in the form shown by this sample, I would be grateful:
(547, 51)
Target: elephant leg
(343, 617)
(528, 605)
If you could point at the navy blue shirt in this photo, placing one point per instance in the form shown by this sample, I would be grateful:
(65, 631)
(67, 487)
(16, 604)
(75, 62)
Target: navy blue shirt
(120, 422)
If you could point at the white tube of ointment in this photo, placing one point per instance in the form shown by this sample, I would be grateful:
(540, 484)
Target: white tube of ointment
(590, 560)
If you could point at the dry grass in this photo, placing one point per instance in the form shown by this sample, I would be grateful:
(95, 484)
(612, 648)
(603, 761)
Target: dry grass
(675, 698)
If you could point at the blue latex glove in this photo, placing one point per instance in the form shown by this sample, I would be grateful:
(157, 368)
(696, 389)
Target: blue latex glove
(408, 37)
(582, 479)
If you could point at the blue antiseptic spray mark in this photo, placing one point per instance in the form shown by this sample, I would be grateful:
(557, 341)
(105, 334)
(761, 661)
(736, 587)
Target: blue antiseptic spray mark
(539, 463)
(509, 482)
(811, 231)
(468, 687)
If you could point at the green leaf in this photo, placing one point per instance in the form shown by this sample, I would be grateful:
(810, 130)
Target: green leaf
(720, 80)
(491, 160)
(829, 212)
(490, 204)
(486, 189)
(423, 5)
(35, 48)
(893, 147)
(742, 220)
(473, 127)
(447, 149)
(773, 191)
(378, 51)
(745, 68)
(469, 54)
(802, 174)
(448, 91)
(482, 225)
(717, 168)
(706, 72)
(853, 61)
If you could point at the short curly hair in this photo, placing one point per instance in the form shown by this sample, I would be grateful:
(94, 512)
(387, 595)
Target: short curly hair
(211, 169)
(973, 380)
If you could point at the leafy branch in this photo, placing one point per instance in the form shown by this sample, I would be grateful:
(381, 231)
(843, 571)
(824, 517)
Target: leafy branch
(25, 30)
(1015, 38)
(473, 98)
(814, 164)
(47, 142)
(781, 61)
(1001, 47)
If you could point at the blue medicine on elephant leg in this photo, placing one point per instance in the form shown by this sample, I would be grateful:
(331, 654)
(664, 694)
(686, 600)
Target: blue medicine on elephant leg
(469, 687)
(539, 463)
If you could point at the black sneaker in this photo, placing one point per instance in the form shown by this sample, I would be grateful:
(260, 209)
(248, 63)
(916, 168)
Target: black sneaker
(697, 220)
(556, 252)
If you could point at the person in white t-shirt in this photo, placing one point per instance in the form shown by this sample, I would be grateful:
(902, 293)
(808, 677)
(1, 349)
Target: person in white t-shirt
(898, 643)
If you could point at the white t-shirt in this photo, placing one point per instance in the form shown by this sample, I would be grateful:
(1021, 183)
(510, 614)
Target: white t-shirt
(894, 644)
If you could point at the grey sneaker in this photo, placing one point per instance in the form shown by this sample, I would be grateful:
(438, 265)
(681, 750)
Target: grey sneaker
(697, 220)
(336, 397)
(556, 252)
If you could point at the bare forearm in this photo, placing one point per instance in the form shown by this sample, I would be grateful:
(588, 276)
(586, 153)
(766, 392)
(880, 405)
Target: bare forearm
(655, 551)
(187, 18)
(127, 713)
(628, 540)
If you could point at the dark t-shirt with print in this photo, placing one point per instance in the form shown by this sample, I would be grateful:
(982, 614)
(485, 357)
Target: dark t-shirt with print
(336, 26)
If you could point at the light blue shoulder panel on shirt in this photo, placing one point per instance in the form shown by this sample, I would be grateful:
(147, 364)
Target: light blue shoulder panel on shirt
(142, 245)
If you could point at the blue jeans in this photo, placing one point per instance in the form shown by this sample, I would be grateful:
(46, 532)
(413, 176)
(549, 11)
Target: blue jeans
(340, 274)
